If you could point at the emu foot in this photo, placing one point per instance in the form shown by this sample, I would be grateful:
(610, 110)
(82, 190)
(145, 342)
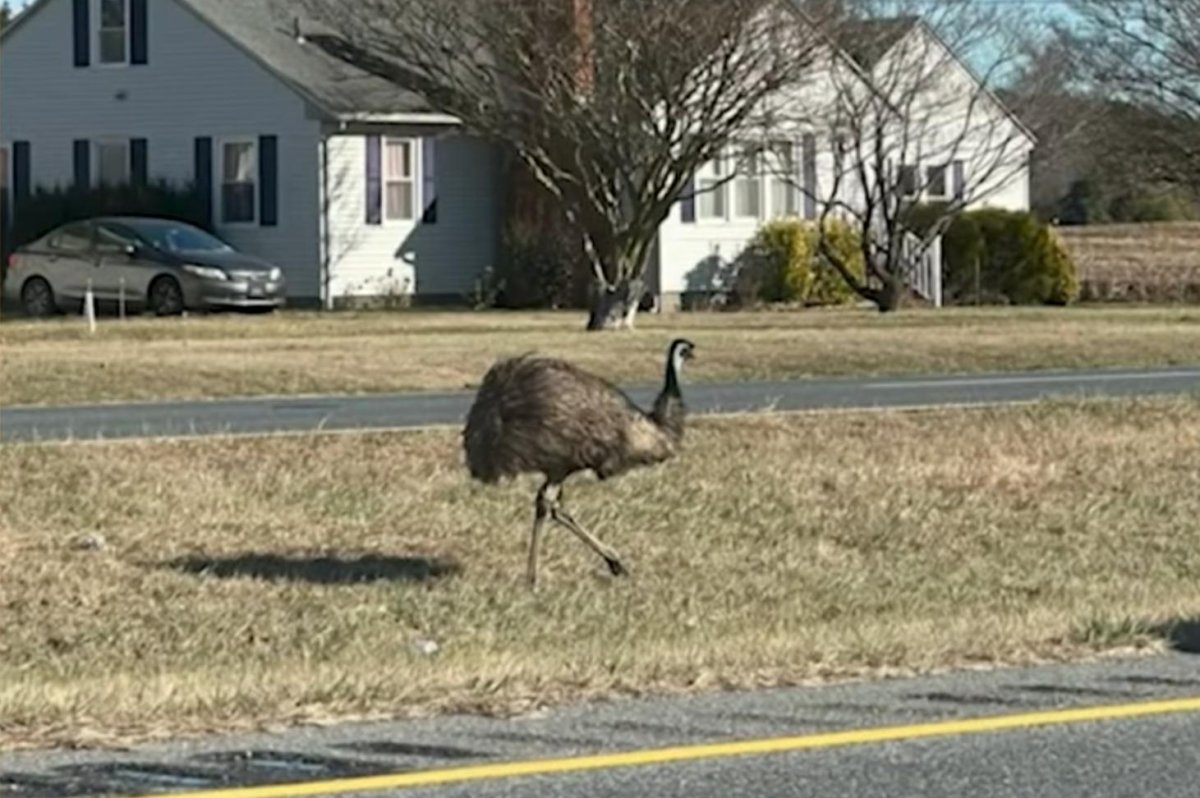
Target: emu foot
(614, 565)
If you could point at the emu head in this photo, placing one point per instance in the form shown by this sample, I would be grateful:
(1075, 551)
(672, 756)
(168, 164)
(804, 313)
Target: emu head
(680, 350)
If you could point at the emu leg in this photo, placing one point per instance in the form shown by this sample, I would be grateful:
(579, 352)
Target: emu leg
(607, 552)
(542, 505)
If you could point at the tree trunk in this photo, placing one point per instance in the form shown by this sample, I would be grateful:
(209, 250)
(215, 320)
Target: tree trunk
(888, 298)
(613, 307)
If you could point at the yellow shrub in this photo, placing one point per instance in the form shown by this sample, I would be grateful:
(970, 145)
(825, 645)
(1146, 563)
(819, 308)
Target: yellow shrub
(783, 263)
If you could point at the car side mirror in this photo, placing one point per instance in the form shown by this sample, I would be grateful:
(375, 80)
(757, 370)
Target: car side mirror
(131, 250)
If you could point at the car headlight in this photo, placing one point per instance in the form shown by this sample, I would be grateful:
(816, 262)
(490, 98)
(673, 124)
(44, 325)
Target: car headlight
(206, 272)
(276, 274)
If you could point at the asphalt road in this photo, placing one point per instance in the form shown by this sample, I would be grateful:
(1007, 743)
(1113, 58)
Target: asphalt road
(831, 746)
(296, 414)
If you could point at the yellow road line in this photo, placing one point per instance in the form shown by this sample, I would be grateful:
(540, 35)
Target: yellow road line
(660, 756)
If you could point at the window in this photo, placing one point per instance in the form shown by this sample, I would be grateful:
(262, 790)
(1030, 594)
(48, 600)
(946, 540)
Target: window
(783, 176)
(4, 172)
(398, 184)
(112, 240)
(112, 33)
(935, 182)
(112, 162)
(711, 189)
(76, 237)
(239, 170)
(747, 186)
(908, 181)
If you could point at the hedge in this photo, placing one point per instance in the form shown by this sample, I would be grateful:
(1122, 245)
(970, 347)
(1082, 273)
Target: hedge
(782, 263)
(1019, 259)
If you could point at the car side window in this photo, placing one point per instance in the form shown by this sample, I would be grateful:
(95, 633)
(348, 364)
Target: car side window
(73, 238)
(112, 240)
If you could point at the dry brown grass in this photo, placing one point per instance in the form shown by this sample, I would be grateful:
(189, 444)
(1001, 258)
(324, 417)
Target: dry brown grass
(777, 549)
(57, 362)
(1137, 261)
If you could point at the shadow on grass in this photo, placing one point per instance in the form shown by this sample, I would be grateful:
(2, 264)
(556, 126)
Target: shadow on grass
(319, 570)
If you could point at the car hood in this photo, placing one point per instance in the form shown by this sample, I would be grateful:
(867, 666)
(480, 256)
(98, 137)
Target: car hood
(236, 261)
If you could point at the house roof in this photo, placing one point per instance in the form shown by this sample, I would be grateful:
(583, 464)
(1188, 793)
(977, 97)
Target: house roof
(866, 41)
(268, 30)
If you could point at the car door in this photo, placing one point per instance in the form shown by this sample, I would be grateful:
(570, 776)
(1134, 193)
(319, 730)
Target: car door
(117, 269)
(68, 260)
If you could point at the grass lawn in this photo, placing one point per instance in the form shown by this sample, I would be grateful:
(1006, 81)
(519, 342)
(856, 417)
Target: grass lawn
(155, 587)
(57, 362)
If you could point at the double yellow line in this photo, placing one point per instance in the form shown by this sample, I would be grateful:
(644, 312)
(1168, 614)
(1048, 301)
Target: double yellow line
(662, 756)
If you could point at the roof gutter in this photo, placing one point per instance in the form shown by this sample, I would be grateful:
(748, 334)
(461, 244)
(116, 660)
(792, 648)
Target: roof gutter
(401, 118)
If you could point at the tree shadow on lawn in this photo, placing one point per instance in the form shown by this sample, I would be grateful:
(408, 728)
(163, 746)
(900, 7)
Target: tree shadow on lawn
(318, 570)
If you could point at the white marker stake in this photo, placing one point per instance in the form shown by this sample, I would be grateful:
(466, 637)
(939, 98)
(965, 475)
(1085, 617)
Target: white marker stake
(89, 308)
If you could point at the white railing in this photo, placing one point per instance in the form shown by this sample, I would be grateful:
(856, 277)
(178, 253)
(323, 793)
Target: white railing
(926, 276)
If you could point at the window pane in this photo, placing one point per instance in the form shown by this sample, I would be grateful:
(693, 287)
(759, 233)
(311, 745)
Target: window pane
(399, 163)
(936, 180)
(746, 197)
(73, 238)
(238, 163)
(112, 46)
(237, 202)
(110, 240)
(112, 163)
(112, 13)
(783, 198)
(399, 200)
(908, 180)
(3, 167)
(711, 202)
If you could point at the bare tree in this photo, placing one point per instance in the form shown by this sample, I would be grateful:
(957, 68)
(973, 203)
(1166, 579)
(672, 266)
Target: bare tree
(612, 105)
(1147, 53)
(911, 117)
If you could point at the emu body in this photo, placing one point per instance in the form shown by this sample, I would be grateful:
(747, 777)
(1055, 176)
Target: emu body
(547, 416)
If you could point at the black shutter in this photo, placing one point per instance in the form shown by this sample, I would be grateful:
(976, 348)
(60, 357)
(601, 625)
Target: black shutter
(374, 180)
(687, 203)
(21, 178)
(139, 41)
(429, 180)
(268, 178)
(83, 163)
(203, 176)
(82, 32)
(139, 166)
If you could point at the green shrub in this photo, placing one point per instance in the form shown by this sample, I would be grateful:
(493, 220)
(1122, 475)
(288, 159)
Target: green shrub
(783, 263)
(1000, 255)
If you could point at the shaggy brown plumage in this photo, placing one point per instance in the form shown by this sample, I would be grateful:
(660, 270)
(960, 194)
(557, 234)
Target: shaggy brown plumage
(545, 415)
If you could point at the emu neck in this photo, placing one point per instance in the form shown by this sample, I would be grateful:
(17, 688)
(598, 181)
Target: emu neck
(668, 412)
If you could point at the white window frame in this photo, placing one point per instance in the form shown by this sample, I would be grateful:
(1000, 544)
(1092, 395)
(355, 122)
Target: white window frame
(713, 173)
(97, 29)
(97, 144)
(783, 176)
(741, 177)
(414, 178)
(219, 182)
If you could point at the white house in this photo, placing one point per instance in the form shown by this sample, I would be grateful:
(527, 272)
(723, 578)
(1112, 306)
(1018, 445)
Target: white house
(354, 187)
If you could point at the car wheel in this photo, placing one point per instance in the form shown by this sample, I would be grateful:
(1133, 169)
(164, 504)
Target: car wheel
(37, 297)
(166, 297)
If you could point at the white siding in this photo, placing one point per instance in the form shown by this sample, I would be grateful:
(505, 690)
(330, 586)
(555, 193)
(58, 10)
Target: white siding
(196, 83)
(441, 259)
(952, 123)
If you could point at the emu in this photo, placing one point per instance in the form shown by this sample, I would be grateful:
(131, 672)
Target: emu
(546, 416)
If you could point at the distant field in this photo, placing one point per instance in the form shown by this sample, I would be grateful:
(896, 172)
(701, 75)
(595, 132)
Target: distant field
(152, 588)
(57, 362)
(1137, 262)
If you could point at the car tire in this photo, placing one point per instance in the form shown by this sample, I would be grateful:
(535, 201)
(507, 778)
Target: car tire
(166, 297)
(37, 298)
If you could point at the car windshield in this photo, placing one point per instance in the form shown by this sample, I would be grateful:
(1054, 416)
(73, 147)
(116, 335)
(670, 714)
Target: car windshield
(182, 238)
